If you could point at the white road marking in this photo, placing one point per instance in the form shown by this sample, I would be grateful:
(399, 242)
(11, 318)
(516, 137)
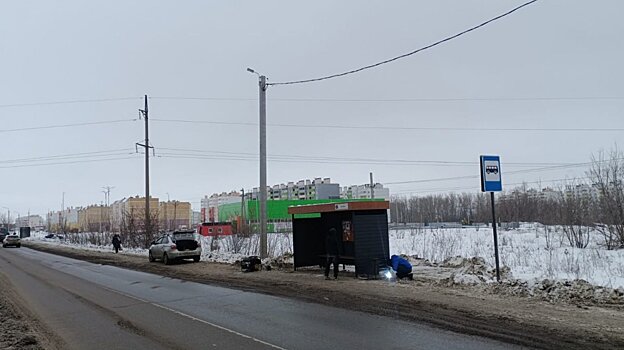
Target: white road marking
(195, 318)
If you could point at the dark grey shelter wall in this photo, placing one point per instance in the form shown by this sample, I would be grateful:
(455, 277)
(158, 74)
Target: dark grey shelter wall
(308, 242)
(371, 240)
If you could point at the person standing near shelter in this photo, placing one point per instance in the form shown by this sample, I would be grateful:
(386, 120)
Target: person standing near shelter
(332, 248)
(116, 242)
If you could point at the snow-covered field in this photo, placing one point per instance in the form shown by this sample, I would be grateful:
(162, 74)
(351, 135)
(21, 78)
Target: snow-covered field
(532, 252)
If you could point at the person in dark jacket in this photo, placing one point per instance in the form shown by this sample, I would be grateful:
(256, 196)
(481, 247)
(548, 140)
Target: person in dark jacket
(116, 242)
(332, 248)
(402, 267)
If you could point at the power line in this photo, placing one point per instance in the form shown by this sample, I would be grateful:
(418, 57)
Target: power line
(200, 154)
(120, 151)
(328, 126)
(549, 168)
(406, 99)
(67, 102)
(407, 54)
(476, 187)
(63, 163)
(67, 125)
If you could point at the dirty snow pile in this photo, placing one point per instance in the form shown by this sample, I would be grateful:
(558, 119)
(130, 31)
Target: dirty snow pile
(476, 272)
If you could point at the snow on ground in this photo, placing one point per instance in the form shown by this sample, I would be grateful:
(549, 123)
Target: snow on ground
(530, 253)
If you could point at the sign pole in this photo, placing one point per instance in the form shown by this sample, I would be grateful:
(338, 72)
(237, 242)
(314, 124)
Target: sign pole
(491, 182)
(495, 237)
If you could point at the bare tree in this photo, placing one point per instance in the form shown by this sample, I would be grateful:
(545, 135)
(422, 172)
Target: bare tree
(575, 214)
(607, 175)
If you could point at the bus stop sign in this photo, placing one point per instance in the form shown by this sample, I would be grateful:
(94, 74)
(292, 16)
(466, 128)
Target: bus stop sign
(491, 174)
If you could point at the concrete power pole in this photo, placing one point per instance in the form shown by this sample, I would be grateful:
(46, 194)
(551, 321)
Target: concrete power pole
(107, 202)
(263, 194)
(146, 146)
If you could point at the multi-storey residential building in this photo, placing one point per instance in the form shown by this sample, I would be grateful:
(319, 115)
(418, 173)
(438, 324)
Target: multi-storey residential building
(95, 218)
(210, 205)
(364, 192)
(582, 190)
(174, 215)
(34, 221)
(319, 188)
(127, 210)
(64, 220)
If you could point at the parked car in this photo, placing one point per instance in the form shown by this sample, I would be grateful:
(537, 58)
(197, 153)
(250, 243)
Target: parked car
(12, 240)
(3, 233)
(173, 246)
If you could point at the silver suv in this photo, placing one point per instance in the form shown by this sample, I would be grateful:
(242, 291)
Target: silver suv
(175, 246)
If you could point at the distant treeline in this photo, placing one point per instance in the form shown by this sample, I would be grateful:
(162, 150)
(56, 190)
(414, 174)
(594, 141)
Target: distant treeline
(596, 202)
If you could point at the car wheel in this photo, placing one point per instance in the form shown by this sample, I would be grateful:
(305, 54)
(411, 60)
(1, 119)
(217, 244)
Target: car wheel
(4, 246)
(19, 245)
(196, 258)
(151, 258)
(166, 259)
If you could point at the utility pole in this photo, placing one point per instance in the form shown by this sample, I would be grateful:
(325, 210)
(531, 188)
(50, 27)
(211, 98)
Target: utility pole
(263, 182)
(144, 113)
(372, 186)
(101, 216)
(175, 211)
(242, 220)
(263, 195)
(61, 216)
(107, 202)
(167, 222)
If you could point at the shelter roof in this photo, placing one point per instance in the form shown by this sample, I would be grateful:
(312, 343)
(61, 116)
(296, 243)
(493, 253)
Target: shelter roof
(344, 206)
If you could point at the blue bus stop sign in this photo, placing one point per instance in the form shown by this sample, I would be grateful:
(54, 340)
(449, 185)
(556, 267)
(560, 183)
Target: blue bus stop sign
(491, 174)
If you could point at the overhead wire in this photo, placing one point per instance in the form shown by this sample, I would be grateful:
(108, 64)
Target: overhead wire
(119, 151)
(68, 125)
(63, 163)
(254, 156)
(406, 99)
(382, 127)
(476, 188)
(407, 54)
(67, 102)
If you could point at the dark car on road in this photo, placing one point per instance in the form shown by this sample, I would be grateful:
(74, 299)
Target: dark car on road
(173, 246)
(3, 234)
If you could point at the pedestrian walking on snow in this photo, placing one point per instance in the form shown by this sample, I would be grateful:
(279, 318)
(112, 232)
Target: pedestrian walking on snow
(116, 243)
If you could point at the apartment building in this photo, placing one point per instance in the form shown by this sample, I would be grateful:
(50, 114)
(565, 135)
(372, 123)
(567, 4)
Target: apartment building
(210, 205)
(319, 188)
(64, 220)
(34, 221)
(95, 218)
(364, 192)
(174, 215)
(132, 209)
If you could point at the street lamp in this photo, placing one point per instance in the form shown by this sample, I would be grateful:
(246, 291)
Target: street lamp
(8, 217)
(263, 195)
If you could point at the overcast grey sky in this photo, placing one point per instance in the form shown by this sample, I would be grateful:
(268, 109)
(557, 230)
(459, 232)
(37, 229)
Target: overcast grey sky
(554, 64)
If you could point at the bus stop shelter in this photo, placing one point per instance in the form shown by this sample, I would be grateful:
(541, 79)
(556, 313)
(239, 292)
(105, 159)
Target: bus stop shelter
(363, 233)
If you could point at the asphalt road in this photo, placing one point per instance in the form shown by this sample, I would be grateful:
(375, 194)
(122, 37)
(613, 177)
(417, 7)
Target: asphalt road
(104, 307)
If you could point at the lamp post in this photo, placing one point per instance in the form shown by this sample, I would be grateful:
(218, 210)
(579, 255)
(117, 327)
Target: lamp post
(8, 218)
(263, 186)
